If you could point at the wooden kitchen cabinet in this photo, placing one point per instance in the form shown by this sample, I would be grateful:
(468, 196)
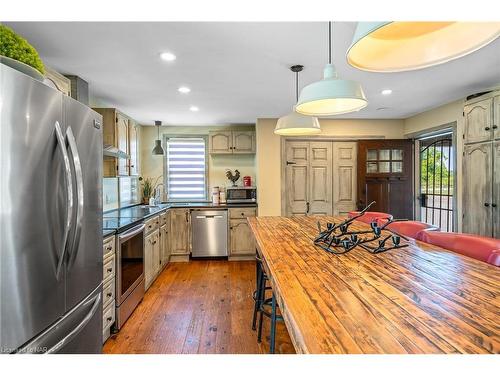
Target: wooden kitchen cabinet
(164, 239)
(123, 133)
(179, 233)
(151, 257)
(241, 240)
(220, 142)
(478, 117)
(243, 142)
(231, 142)
(134, 139)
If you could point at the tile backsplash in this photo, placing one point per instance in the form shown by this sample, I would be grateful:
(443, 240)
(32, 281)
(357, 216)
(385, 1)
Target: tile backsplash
(109, 194)
(119, 192)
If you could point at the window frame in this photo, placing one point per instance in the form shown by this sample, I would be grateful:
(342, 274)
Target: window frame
(165, 139)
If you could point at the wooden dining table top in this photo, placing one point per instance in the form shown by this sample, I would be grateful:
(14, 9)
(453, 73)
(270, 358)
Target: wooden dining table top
(415, 299)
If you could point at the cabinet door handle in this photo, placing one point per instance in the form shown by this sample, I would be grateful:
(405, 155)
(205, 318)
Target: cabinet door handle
(307, 207)
(109, 270)
(290, 162)
(187, 217)
(487, 128)
(486, 205)
(493, 205)
(109, 294)
(495, 126)
(109, 319)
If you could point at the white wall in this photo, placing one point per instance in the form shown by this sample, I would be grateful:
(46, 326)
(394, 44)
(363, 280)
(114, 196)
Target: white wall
(269, 152)
(152, 165)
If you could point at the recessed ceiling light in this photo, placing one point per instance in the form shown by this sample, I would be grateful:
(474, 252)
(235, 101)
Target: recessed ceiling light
(168, 56)
(387, 92)
(194, 108)
(184, 89)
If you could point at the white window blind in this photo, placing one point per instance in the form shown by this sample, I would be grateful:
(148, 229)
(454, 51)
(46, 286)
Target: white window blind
(186, 168)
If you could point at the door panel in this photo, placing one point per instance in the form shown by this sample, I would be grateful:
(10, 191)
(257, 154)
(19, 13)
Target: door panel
(221, 142)
(297, 177)
(381, 164)
(134, 149)
(84, 272)
(34, 204)
(478, 121)
(320, 169)
(243, 142)
(122, 138)
(344, 177)
(477, 194)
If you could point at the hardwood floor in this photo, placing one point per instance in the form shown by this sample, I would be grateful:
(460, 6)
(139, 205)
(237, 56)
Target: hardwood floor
(198, 307)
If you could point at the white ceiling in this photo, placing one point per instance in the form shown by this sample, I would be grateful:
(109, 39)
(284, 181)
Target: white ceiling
(237, 72)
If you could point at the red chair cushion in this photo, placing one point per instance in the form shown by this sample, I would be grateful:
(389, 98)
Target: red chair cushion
(369, 216)
(486, 249)
(408, 228)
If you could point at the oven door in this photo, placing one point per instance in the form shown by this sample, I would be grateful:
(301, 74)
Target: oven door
(130, 262)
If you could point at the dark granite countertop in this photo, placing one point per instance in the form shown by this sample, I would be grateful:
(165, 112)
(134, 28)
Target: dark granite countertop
(107, 232)
(124, 218)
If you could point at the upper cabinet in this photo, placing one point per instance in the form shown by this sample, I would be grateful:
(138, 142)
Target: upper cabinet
(232, 142)
(134, 137)
(478, 117)
(123, 133)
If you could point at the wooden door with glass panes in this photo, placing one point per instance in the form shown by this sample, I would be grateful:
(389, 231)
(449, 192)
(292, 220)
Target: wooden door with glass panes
(385, 175)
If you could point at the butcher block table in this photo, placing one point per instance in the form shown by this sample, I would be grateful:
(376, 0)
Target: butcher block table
(416, 299)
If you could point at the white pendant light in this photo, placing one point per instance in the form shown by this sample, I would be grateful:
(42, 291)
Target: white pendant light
(402, 46)
(331, 96)
(295, 123)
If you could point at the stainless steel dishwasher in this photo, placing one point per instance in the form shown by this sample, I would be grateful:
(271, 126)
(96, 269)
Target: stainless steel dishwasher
(209, 233)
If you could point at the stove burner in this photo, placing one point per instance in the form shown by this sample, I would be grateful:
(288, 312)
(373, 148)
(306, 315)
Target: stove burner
(337, 239)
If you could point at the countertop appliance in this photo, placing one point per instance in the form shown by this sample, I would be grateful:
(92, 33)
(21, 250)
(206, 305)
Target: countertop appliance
(51, 220)
(209, 233)
(241, 194)
(130, 272)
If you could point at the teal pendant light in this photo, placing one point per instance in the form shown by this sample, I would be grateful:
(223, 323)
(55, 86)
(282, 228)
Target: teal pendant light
(331, 95)
(158, 150)
(294, 123)
(402, 46)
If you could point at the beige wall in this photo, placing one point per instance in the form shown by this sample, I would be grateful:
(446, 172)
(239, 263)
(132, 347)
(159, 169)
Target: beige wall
(269, 152)
(152, 166)
(437, 117)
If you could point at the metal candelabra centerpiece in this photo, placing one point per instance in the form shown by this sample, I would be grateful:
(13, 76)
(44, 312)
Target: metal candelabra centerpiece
(338, 239)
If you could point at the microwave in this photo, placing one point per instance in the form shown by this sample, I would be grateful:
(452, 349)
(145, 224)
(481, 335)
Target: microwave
(241, 194)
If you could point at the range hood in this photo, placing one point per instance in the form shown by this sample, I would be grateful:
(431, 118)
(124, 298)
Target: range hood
(114, 152)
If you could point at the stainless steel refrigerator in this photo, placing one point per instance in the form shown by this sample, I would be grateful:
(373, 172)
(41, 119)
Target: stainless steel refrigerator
(51, 220)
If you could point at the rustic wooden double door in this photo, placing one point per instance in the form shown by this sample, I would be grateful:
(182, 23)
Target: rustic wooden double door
(320, 177)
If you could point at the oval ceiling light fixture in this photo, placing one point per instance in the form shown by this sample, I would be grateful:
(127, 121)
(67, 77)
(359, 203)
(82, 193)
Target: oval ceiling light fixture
(294, 123)
(331, 96)
(158, 150)
(167, 56)
(402, 46)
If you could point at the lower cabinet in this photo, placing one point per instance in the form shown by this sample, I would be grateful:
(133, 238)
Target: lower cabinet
(242, 243)
(164, 246)
(151, 257)
(108, 290)
(179, 232)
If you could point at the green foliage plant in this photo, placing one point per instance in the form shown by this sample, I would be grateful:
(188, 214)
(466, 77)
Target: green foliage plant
(18, 48)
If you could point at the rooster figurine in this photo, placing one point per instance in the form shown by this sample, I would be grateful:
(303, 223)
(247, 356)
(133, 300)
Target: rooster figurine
(231, 177)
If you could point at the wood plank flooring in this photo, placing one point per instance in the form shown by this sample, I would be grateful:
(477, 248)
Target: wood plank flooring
(203, 306)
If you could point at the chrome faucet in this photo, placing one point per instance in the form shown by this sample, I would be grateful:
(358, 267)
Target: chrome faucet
(158, 193)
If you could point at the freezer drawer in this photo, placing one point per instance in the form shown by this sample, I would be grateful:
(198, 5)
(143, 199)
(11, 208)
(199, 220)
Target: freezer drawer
(79, 331)
(209, 233)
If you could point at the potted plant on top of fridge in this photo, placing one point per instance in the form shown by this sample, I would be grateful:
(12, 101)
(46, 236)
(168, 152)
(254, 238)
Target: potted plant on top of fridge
(16, 52)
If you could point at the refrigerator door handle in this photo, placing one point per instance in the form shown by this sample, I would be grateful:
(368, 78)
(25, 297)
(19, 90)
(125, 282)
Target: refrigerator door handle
(79, 188)
(78, 328)
(69, 190)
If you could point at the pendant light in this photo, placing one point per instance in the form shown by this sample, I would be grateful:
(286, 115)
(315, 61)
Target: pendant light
(402, 46)
(158, 150)
(294, 123)
(331, 96)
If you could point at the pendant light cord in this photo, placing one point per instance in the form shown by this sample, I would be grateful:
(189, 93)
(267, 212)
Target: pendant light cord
(329, 42)
(296, 87)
